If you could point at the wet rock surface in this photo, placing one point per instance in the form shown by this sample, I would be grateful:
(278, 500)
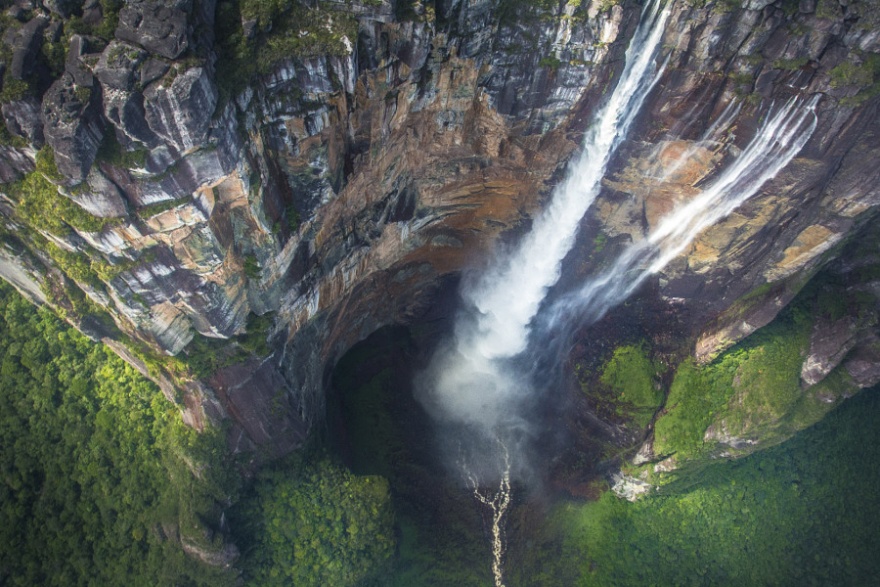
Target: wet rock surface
(345, 191)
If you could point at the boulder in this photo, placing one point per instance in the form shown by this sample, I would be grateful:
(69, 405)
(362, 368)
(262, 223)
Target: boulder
(26, 47)
(126, 111)
(72, 126)
(22, 118)
(158, 27)
(830, 341)
(181, 113)
(14, 163)
(118, 65)
(99, 196)
(79, 47)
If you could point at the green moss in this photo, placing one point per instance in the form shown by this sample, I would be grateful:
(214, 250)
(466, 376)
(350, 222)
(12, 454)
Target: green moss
(865, 75)
(632, 377)
(112, 152)
(41, 207)
(151, 210)
(551, 62)
(829, 9)
(7, 139)
(791, 64)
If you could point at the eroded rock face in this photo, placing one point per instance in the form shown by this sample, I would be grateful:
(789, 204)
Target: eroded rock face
(342, 192)
(181, 111)
(157, 26)
(73, 126)
(22, 119)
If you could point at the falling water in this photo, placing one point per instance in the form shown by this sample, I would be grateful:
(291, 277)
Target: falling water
(471, 384)
(497, 502)
(784, 133)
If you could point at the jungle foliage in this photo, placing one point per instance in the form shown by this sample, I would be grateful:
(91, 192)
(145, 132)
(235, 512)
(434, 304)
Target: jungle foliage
(277, 30)
(804, 512)
(93, 483)
(631, 376)
(311, 522)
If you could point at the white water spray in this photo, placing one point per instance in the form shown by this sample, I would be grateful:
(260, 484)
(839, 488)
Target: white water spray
(470, 384)
(783, 134)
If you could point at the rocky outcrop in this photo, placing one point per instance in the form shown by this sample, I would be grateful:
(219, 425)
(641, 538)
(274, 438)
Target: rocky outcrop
(179, 111)
(159, 27)
(348, 183)
(73, 126)
(26, 47)
(22, 119)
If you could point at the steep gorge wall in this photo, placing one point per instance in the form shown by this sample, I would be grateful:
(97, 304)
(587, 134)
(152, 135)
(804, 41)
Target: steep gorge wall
(342, 187)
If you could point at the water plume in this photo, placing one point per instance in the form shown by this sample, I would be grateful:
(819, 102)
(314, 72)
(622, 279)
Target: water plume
(472, 380)
(783, 134)
(474, 387)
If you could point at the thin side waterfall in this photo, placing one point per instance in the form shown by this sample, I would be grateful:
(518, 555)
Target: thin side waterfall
(471, 388)
(784, 133)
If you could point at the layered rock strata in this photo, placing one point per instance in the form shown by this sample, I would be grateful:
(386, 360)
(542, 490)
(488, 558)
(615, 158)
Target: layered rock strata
(343, 186)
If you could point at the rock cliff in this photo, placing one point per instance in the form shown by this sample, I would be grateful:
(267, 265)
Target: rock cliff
(231, 198)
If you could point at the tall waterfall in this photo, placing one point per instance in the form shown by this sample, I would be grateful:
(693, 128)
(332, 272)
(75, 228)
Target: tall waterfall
(470, 383)
(474, 387)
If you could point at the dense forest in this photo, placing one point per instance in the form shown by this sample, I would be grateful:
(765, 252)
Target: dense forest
(102, 483)
(801, 513)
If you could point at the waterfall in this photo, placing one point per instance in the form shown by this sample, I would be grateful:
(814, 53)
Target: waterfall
(474, 387)
(469, 382)
(507, 296)
(470, 385)
(783, 134)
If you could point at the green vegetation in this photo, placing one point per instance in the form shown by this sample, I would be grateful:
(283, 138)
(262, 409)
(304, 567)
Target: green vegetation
(440, 538)
(94, 479)
(7, 139)
(315, 524)
(293, 218)
(205, 356)
(511, 12)
(284, 29)
(41, 207)
(151, 210)
(624, 388)
(791, 64)
(632, 378)
(746, 390)
(104, 29)
(866, 76)
(551, 62)
(112, 152)
(801, 513)
(829, 9)
(251, 267)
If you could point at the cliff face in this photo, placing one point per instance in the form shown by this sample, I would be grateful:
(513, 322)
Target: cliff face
(234, 239)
